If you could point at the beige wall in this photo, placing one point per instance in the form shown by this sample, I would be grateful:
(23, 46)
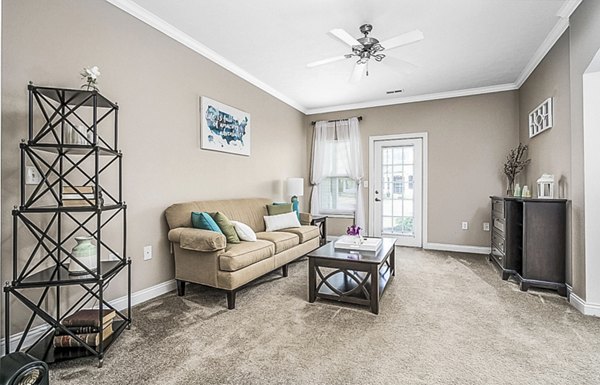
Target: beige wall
(585, 42)
(468, 140)
(550, 151)
(157, 83)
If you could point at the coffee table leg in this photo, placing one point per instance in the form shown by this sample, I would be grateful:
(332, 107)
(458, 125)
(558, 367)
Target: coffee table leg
(374, 292)
(393, 261)
(312, 280)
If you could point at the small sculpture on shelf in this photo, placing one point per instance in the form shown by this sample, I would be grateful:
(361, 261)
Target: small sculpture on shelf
(90, 75)
(515, 163)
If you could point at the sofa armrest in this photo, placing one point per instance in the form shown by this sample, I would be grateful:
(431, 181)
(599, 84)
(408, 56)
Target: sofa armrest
(190, 238)
(305, 218)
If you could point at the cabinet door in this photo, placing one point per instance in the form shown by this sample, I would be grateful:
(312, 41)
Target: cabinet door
(513, 232)
(544, 240)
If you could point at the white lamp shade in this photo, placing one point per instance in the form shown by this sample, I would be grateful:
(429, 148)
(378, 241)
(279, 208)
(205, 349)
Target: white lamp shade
(295, 186)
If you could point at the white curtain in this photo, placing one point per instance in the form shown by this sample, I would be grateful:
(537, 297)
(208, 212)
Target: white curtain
(345, 135)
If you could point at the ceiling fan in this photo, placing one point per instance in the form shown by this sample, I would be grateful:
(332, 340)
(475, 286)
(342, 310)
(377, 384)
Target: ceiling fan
(365, 48)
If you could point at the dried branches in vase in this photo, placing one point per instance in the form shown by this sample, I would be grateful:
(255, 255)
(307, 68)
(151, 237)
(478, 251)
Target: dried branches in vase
(515, 163)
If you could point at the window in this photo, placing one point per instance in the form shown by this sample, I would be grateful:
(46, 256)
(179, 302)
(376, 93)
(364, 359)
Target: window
(338, 195)
(338, 191)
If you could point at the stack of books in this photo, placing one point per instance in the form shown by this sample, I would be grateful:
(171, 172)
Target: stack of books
(79, 196)
(85, 324)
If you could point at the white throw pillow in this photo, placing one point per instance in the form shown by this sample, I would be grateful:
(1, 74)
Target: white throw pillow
(244, 231)
(281, 221)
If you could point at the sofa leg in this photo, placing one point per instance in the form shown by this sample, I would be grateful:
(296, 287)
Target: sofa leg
(180, 288)
(284, 270)
(230, 299)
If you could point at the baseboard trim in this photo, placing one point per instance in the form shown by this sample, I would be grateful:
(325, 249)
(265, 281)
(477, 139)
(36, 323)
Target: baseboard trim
(457, 248)
(120, 303)
(144, 295)
(584, 307)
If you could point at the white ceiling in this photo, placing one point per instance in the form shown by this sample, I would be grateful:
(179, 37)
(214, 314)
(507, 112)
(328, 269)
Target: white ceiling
(470, 46)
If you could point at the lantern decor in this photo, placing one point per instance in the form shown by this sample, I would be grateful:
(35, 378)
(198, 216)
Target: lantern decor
(545, 186)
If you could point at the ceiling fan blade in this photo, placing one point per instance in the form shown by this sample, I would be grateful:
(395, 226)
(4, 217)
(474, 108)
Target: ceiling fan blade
(404, 39)
(344, 36)
(358, 72)
(400, 65)
(326, 61)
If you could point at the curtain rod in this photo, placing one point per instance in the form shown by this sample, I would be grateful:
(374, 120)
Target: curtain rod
(335, 120)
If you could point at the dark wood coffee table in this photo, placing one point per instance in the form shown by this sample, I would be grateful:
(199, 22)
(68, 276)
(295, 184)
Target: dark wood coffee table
(355, 274)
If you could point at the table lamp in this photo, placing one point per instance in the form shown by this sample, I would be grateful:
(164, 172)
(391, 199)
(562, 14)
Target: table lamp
(295, 188)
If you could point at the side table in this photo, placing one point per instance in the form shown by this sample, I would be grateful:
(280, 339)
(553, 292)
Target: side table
(321, 222)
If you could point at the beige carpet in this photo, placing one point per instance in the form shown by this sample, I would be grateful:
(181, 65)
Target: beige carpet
(445, 319)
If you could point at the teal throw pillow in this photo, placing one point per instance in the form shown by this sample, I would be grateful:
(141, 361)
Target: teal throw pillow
(205, 222)
(279, 208)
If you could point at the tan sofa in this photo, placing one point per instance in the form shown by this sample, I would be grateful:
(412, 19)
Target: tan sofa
(203, 257)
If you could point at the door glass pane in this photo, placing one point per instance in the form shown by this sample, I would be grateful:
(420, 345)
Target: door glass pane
(408, 155)
(398, 190)
(386, 155)
(387, 225)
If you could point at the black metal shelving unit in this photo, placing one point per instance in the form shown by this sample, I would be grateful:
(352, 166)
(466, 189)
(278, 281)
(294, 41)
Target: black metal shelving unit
(40, 266)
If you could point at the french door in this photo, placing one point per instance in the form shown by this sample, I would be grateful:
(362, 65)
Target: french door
(396, 191)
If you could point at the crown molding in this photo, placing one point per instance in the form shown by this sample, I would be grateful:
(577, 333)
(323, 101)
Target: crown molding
(161, 25)
(414, 99)
(568, 8)
(559, 28)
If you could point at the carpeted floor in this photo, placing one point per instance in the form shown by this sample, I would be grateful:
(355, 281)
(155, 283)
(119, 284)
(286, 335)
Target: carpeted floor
(445, 319)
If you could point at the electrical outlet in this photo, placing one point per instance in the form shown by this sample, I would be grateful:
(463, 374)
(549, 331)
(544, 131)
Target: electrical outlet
(465, 225)
(32, 176)
(486, 226)
(147, 253)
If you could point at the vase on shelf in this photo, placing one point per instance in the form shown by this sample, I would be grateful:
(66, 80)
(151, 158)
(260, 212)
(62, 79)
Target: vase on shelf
(84, 252)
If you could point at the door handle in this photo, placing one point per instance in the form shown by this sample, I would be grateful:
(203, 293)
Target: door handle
(377, 200)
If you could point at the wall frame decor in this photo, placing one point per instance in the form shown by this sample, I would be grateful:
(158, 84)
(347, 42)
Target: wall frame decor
(224, 128)
(540, 119)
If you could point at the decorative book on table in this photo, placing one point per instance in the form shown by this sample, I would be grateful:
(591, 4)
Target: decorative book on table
(89, 317)
(79, 196)
(85, 324)
(91, 339)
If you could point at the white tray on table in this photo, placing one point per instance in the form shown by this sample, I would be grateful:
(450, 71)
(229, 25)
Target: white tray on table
(348, 242)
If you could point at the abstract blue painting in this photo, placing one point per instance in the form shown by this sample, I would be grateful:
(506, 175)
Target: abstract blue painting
(224, 128)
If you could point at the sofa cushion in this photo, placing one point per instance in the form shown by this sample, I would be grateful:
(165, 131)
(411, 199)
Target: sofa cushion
(239, 255)
(226, 227)
(248, 211)
(306, 233)
(190, 238)
(205, 221)
(244, 232)
(281, 221)
(283, 241)
(279, 208)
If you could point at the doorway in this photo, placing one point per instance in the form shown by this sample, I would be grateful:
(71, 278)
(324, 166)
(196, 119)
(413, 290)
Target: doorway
(396, 208)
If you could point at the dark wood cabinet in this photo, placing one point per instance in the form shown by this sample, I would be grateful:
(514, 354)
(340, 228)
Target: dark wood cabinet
(528, 241)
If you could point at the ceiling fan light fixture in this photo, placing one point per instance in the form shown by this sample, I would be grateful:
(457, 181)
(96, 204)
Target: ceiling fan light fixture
(366, 47)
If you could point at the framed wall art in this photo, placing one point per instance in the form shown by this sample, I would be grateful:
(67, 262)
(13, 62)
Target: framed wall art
(541, 118)
(224, 128)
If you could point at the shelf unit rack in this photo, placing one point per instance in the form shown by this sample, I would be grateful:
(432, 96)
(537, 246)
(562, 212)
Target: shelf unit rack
(56, 116)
